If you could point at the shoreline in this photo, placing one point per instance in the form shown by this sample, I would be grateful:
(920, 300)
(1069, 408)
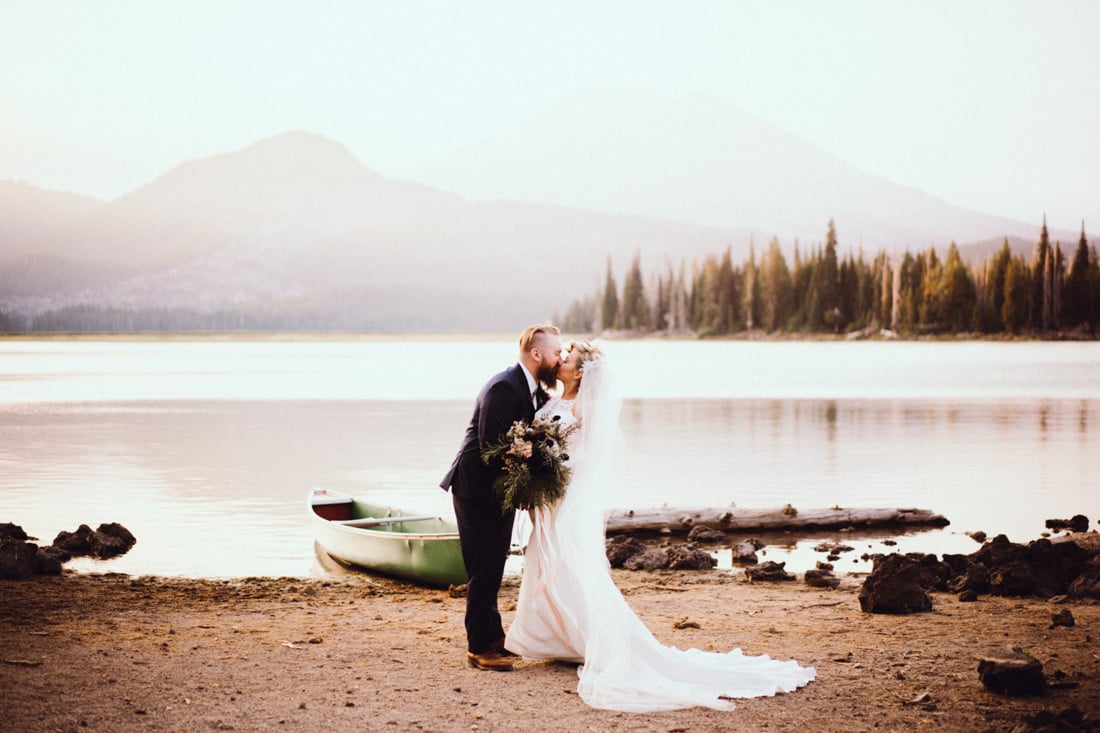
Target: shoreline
(471, 336)
(365, 652)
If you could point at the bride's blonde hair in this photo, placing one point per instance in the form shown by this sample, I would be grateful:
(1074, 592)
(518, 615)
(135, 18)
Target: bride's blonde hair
(588, 350)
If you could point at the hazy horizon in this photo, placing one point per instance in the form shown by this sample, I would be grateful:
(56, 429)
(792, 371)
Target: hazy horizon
(983, 105)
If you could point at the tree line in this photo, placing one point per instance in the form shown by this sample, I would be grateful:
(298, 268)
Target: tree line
(821, 292)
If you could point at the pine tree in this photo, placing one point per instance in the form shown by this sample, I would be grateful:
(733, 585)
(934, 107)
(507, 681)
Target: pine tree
(609, 311)
(1039, 307)
(957, 292)
(1094, 290)
(801, 281)
(634, 309)
(750, 290)
(776, 295)
(1076, 304)
(1018, 293)
(826, 283)
(728, 296)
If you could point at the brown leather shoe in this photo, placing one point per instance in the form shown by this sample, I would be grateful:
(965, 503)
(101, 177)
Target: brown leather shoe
(489, 660)
(498, 647)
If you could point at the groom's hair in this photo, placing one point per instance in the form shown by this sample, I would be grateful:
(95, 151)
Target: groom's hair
(527, 338)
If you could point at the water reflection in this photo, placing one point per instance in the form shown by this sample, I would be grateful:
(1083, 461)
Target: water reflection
(217, 486)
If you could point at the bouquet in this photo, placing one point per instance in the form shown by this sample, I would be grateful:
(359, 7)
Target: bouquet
(532, 458)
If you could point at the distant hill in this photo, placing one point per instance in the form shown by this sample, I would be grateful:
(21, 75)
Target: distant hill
(295, 230)
(703, 160)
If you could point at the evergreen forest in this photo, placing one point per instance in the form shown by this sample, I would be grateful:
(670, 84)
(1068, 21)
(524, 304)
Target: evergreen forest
(819, 293)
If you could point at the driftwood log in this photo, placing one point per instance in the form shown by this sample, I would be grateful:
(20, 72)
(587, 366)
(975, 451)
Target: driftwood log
(672, 519)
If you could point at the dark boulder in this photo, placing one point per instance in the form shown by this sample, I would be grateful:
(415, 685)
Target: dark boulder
(1062, 618)
(49, 560)
(9, 531)
(1087, 584)
(958, 564)
(1069, 720)
(1040, 568)
(894, 586)
(18, 559)
(1077, 523)
(655, 559)
(109, 540)
(1013, 673)
(621, 548)
(689, 557)
(744, 552)
(820, 578)
(768, 571)
(78, 543)
(703, 533)
(934, 574)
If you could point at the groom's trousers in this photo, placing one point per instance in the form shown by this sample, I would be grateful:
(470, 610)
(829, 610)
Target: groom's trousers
(486, 537)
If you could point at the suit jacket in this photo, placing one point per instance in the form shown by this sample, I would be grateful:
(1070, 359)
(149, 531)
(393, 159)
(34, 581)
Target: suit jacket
(504, 399)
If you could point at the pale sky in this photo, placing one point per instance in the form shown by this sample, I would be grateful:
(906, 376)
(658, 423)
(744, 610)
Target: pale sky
(989, 105)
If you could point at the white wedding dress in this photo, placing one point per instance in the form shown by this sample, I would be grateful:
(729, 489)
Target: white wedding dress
(570, 609)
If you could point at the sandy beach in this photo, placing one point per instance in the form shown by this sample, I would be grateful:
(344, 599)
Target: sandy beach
(109, 652)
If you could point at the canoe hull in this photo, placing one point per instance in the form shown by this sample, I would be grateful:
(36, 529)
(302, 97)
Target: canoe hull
(421, 550)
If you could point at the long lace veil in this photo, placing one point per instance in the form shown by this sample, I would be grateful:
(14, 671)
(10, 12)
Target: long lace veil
(597, 458)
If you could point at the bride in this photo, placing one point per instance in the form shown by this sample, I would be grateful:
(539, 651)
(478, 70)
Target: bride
(569, 607)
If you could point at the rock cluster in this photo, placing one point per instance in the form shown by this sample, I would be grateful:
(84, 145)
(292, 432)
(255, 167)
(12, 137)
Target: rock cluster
(627, 552)
(1041, 568)
(1012, 672)
(20, 557)
(769, 570)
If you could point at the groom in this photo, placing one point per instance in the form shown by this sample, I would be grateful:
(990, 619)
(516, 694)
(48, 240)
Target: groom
(484, 532)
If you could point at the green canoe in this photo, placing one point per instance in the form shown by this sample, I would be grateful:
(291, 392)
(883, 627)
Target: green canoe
(382, 539)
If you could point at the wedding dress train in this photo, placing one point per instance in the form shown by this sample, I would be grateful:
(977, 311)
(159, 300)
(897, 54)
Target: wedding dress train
(570, 609)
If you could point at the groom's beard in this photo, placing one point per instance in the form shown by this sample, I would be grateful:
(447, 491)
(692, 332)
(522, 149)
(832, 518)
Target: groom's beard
(548, 375)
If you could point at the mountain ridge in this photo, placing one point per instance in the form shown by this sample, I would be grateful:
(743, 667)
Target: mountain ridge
(295, 225)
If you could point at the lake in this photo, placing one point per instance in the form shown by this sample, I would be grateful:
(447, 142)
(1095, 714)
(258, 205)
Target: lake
(206, 449)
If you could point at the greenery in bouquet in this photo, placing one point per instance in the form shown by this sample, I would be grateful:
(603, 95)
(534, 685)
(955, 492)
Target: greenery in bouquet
(532, 463)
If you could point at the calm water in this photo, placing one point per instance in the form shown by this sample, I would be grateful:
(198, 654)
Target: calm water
(206, 450)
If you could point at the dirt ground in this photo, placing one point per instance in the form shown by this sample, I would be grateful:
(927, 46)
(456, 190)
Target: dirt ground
(120, 653)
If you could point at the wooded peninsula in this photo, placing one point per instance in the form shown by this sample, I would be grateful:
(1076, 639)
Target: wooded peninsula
(907, 296)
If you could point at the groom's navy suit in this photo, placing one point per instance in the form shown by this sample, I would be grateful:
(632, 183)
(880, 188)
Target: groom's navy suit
(485, 533)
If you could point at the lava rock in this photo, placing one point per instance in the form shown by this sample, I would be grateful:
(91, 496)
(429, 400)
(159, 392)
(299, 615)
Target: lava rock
(621, 548)
(48, 560)
(1070, 720)
(1062, 618)
(689, 557)
(744, 552)
(1040, 568)
(18, 560)
(769, 570)
(9, 531)
(1087, 584)
(894, 586)
(111, 540)
(819, 578)
(77, 543)
(1012, 673)
(703, 533)
(1078, 523)
(655, 559)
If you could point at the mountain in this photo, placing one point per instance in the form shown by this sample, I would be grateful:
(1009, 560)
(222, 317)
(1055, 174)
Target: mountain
(703, 160)
(295, 232)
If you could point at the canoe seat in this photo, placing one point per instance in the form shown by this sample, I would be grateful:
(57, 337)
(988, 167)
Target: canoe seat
(378, 521)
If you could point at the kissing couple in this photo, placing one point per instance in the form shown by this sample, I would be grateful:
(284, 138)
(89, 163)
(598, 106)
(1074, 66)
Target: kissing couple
(569, 608)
